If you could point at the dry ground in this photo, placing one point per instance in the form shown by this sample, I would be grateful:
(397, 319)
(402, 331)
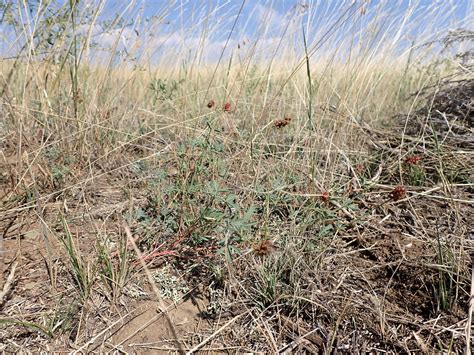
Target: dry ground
(368, 266)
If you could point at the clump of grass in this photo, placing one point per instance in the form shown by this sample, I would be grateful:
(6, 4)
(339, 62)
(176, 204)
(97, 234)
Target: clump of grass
(82, 271)
(114, 268)
(447, 287)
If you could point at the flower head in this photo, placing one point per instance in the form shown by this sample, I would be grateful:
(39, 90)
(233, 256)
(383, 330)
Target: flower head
(325, 196)
(282, 123)
(263, 248)
(398, 193)
(413, 159)
(227, 107)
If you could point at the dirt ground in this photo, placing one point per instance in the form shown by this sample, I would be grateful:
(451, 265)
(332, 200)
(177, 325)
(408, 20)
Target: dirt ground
(394, 277)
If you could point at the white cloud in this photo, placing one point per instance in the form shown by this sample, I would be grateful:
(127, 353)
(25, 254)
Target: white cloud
(261, 25)
(269, 18)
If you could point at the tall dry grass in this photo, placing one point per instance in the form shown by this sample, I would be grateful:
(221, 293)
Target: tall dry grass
(100, 104)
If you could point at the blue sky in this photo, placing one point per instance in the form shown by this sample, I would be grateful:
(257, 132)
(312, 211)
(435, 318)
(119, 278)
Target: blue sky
(188, 12)
(267, 21)
(152, 28)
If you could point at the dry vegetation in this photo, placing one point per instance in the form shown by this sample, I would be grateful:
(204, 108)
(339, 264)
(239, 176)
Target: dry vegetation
(298, 202)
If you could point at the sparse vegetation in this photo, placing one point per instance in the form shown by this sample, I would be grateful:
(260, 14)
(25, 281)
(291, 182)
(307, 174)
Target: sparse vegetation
(304, 191)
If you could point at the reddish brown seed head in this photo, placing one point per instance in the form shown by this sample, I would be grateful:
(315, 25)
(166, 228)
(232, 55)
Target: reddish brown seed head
(227, 107)
(413, 159)
(282, 123)
(265, 247)
(398, 193)
(211, 104)
(325, 196)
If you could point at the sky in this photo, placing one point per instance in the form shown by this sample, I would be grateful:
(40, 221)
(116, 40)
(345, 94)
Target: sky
(197, 30)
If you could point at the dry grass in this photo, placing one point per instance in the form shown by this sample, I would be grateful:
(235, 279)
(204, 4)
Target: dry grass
(324, 203)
